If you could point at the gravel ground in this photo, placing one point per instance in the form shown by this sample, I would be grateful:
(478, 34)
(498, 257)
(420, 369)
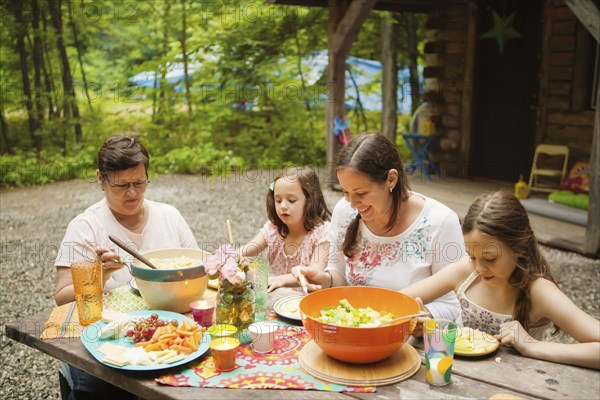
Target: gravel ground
(33, 221)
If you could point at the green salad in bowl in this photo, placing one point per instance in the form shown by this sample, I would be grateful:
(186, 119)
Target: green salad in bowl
(346, 315)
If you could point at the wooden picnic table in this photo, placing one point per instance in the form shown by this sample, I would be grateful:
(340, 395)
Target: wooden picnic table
(472, 377)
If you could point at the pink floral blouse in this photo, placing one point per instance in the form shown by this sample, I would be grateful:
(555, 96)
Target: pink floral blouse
(281, 263)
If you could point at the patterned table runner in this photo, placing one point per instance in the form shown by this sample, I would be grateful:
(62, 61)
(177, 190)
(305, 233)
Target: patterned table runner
(276, 370)
(64, 321)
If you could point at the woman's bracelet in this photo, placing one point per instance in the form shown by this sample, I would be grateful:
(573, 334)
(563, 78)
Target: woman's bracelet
(330, 278)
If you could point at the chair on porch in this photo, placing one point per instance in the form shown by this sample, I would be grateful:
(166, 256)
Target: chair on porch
(546, 171)
(419, 146)
(419, 141)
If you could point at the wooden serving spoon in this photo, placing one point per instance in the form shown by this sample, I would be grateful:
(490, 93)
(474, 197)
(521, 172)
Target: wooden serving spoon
(134, 253)
(421, 314)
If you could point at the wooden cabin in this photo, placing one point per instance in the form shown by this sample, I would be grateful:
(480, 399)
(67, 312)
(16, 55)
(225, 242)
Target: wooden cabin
(502, 76)
(493, 105)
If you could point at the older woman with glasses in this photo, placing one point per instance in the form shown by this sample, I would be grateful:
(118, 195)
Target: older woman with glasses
(145, 225)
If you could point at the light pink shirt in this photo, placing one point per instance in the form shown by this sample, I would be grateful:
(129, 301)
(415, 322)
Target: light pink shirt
(281, 263)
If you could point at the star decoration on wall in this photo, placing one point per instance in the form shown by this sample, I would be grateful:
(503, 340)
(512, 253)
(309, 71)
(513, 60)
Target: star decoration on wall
(502, 30)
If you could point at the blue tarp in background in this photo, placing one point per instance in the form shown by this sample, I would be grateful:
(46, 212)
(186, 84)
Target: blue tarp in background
(361, 74)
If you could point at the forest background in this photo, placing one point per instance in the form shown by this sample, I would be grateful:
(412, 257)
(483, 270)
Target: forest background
(243, 102)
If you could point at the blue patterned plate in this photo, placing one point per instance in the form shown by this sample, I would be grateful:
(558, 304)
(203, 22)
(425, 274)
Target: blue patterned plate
(89, 338)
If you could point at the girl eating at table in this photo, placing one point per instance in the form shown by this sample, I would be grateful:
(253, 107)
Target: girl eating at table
(295, 233)
(505, 286)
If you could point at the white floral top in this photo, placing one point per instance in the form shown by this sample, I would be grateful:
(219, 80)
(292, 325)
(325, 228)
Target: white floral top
(433, 241)
(477, 317)
(281, 263)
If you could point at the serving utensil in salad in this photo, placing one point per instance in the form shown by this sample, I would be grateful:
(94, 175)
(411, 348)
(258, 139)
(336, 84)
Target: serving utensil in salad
(302, 281)
(421, 314)
(134, 253)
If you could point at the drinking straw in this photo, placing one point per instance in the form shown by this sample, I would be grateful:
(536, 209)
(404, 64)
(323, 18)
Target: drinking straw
(229, 232)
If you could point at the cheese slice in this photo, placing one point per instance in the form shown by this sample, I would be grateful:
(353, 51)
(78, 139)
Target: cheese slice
(111, 349)
(164, 358)
(120, 356)
(139, 356)
(176, 358)
(117, 359)
(108, 315)
(115, 329)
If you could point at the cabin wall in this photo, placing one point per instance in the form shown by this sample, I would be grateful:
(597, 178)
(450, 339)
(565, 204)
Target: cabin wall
(568, 53)
(564, 114)
(446, 73)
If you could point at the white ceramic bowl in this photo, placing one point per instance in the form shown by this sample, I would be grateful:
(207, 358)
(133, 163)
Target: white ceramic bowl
(171, 289)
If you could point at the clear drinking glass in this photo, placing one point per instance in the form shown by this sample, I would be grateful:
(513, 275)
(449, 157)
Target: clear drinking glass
(439, 337)
(259, 276)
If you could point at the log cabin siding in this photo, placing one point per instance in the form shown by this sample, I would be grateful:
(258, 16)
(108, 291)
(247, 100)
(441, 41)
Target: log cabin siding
(445, 51)
(564, 108)
(564, 114)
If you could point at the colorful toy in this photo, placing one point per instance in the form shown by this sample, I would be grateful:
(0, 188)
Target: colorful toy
(341, 129)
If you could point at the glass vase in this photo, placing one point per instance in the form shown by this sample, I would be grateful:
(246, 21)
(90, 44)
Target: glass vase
(235, 304)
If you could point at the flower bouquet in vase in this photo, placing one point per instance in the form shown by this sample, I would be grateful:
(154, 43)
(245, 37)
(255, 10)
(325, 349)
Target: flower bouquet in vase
(236, 297)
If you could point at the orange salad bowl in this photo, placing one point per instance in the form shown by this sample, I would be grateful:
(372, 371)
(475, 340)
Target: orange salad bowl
(355, 344)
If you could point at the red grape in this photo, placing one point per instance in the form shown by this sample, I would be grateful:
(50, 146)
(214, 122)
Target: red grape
(144, 328)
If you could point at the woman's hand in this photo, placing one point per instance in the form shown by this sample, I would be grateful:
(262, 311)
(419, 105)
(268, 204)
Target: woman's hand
(316, 278)
(111, 262)
(276, 282)
(418, 331)
(65, 292)
(513, 334)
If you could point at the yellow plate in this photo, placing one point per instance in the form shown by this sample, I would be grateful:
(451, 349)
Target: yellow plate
(473, 342)
(213, 283)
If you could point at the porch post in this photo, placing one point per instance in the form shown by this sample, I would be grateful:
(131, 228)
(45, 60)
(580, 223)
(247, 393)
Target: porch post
(592, 232)
(345, 19)
(389, 76)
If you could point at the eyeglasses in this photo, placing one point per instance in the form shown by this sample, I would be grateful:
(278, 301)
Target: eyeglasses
(126, 186)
